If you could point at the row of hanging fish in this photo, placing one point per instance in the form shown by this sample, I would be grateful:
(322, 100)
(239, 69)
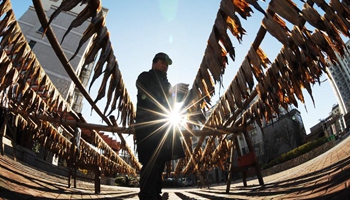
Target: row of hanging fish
(112, 83)
(109, 161)
(49, 137)
(26, 87)
(56, 143)
(281, 83)
(301, 62)
(214, 154)
(53, 141)
(214, 60)
(26, 67)
(117, 94)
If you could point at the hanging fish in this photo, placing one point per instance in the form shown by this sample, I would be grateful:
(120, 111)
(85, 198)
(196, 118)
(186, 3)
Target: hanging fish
(325, 44)
(270, 23)
(217, 52)
(66, 5)
(226, 107)
(331, 16)
(86, 13)
(286, 9)
(235, 26)
(314, 18)
(212, 63)
(228, 8)
(230, 99)
(221, 32)
(90, 31)
(242, 83)
(242, 8)
(7, 20)
(5, 6)
(339, 8)
(247, 73)
(255, 63)
(114, 81)
(256, 5)
(203, 70)
(104, 56)
(236, 93)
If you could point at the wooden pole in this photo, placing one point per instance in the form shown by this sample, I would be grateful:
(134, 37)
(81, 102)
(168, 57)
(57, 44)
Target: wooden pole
(69, 175)
(116, 129)
(256, 165)
(3, 133)
(229, 178)
(97, 179)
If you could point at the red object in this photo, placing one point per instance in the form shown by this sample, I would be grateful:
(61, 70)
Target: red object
(246, 159)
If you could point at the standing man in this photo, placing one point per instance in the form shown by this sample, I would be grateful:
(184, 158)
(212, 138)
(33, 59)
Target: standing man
(156, 144)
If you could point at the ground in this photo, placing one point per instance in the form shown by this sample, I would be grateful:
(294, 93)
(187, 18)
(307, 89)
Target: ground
(324, 177)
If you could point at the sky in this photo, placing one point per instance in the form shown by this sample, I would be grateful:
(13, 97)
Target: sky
(181, 28)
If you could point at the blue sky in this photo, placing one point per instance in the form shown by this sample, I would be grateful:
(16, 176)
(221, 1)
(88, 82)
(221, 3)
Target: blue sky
(181, 28)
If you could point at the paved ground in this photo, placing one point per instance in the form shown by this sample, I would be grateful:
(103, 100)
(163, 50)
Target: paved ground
(325, 177)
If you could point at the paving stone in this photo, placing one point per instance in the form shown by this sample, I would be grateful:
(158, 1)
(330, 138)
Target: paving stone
(324, 177)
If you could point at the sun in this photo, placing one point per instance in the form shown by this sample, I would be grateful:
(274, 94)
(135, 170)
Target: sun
(176, 117)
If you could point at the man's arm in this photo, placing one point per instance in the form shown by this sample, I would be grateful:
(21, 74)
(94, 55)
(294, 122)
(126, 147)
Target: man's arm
(180, 88)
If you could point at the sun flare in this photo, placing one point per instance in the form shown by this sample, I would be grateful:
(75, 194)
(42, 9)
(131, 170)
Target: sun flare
(177, 117)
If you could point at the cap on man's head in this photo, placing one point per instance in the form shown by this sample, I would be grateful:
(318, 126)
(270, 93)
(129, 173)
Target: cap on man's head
(163, 56)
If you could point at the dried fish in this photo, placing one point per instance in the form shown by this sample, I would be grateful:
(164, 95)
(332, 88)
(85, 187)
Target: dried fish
(242, 83)
(234, 25)
(221, 27)
(287, 9)
(228, 8)
(230, 99)
(247, 73)
(90, 31)
(66, 5)
(236, 93)
(275, 29)
(5, 6)
(113, 87)
(325, 44)
(203, 70)
(256, 6)
(213, 64)
(7, 20)
(105, 54)
(242, 8)
(255, 63)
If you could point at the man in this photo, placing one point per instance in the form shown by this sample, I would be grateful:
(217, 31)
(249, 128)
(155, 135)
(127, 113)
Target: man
(155, 144)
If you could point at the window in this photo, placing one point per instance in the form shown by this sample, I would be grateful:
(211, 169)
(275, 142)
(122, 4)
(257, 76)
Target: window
(41, 30)
(244, 151)
(31, 44)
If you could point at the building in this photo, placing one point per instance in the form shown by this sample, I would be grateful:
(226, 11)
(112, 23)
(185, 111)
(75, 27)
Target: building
(283, 135)
(331, 125)
(40, 45)
(340, 82)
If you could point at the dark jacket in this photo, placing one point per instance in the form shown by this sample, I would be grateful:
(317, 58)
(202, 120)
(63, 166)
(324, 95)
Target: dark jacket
(152, 137)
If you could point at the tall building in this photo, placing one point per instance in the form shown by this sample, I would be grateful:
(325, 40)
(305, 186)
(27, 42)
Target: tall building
(40, 45)
(340, 82)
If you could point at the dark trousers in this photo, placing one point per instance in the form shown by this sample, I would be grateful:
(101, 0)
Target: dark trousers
(151, 180)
